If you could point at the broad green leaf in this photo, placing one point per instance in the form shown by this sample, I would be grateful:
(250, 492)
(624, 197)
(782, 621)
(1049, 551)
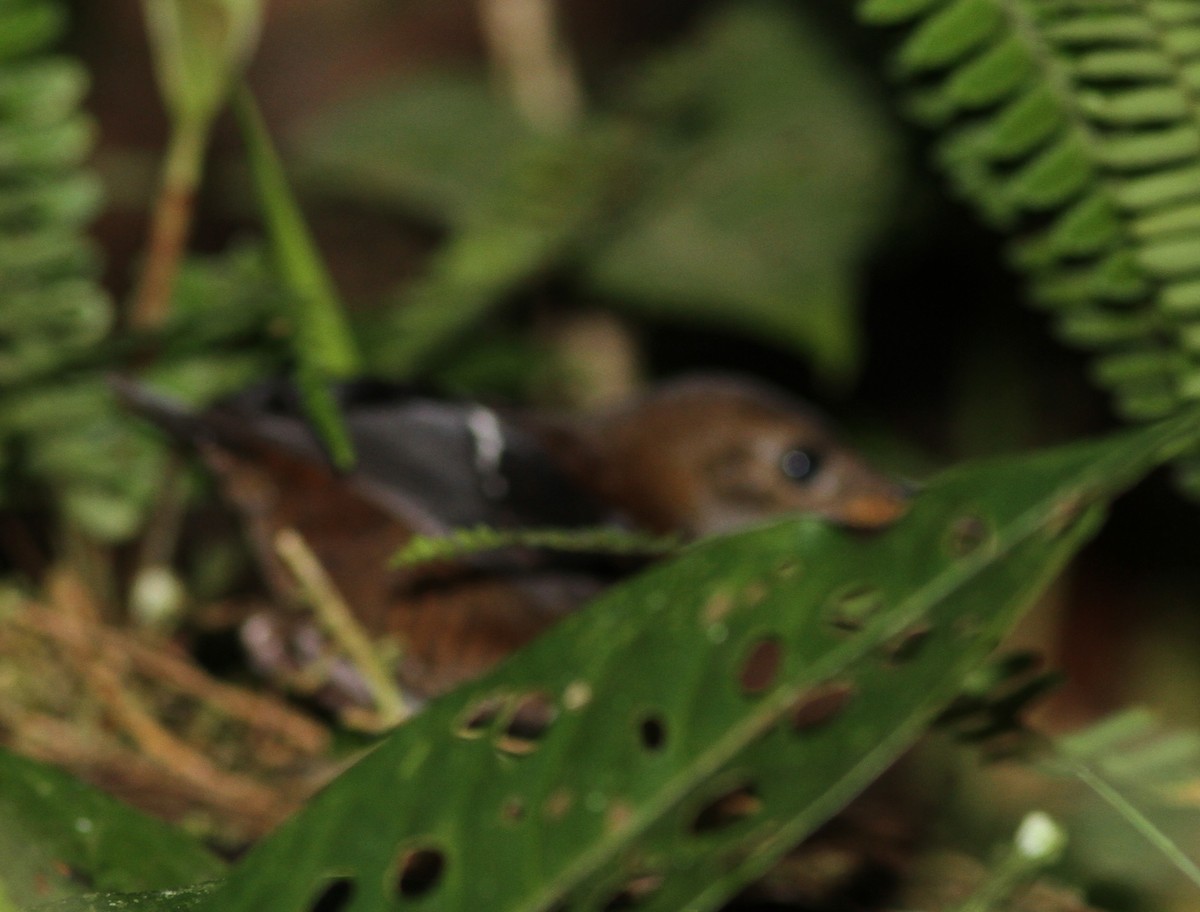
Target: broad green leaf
(675, 738)
(57, 833)
(761, 174)
(555, 191)
(774, 175)
(438, 147)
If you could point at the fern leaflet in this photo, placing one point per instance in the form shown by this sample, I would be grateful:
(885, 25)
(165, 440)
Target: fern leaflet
(1074, 125)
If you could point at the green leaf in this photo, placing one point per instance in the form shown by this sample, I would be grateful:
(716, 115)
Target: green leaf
(672, 219)
(200, 47)
(27, 27)
(56, 832)
(423, 549)
(438, 146)
(1023, 125)
(1054, 177)
(1103, 28)
(886, 12)
(1135, 767)
(1070, 124)
(950, 34)
(1152, 105)
(770, 243)
(691, 725)
(324, 346)
(554, 194)
(991, 76)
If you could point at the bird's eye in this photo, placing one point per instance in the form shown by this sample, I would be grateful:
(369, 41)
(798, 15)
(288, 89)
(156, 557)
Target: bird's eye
(800, 464)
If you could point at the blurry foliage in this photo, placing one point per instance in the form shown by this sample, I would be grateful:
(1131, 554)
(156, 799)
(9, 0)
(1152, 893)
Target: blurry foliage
(1073, 126)
(198, 48)
(681, 784)
(60, 428)
(321, 342)
(737, 180)
(1147, 774)
(53, 308)
(58, 833)
(69, 434)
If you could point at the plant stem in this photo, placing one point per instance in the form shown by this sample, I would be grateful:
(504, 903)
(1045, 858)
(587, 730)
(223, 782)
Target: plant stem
(170, 225)
(531, 58)
(335, 617)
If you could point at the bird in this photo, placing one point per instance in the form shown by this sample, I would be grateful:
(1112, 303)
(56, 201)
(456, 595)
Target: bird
(696, 456)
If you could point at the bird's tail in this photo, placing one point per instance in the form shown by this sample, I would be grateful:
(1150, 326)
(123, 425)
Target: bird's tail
(169, 414)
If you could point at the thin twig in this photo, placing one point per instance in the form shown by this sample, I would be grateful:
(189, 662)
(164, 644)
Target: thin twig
(263, 713)
(170, 226)
(102, 667)
(335, 617)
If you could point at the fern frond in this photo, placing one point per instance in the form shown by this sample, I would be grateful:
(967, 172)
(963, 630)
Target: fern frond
(423, 549)
(51, 304)
(1074, 125)
(1134, 765)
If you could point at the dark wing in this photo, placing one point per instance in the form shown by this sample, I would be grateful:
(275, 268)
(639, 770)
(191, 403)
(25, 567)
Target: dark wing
(432, 464)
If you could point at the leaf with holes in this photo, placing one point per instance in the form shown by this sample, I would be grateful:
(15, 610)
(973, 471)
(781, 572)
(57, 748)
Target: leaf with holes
(664, 746)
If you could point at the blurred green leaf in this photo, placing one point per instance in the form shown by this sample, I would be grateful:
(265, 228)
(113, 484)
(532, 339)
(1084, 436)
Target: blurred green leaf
(200, 47)
(776, 175)
(758, 175)
(322, 342)
(1137, 767)
(439, 147)
(98, 461)
(554, 193)
(676, 737)
(57, 834)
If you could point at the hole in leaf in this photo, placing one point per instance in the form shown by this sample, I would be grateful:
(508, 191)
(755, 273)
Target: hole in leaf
(726, 809)
(528, 724)
(760, 667)
(633, 892)
(420, 871)
(819, 705)
(852, 608)
(334, 896)
(481, 715)
(967, 534)
(908, 644)
(653, 732)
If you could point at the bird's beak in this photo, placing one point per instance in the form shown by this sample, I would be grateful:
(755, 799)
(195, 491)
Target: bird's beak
(875, 508)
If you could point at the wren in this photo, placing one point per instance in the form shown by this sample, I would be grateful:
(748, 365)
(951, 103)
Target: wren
(698, 456)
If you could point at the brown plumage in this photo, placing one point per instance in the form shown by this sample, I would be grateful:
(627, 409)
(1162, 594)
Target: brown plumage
(699, 456)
